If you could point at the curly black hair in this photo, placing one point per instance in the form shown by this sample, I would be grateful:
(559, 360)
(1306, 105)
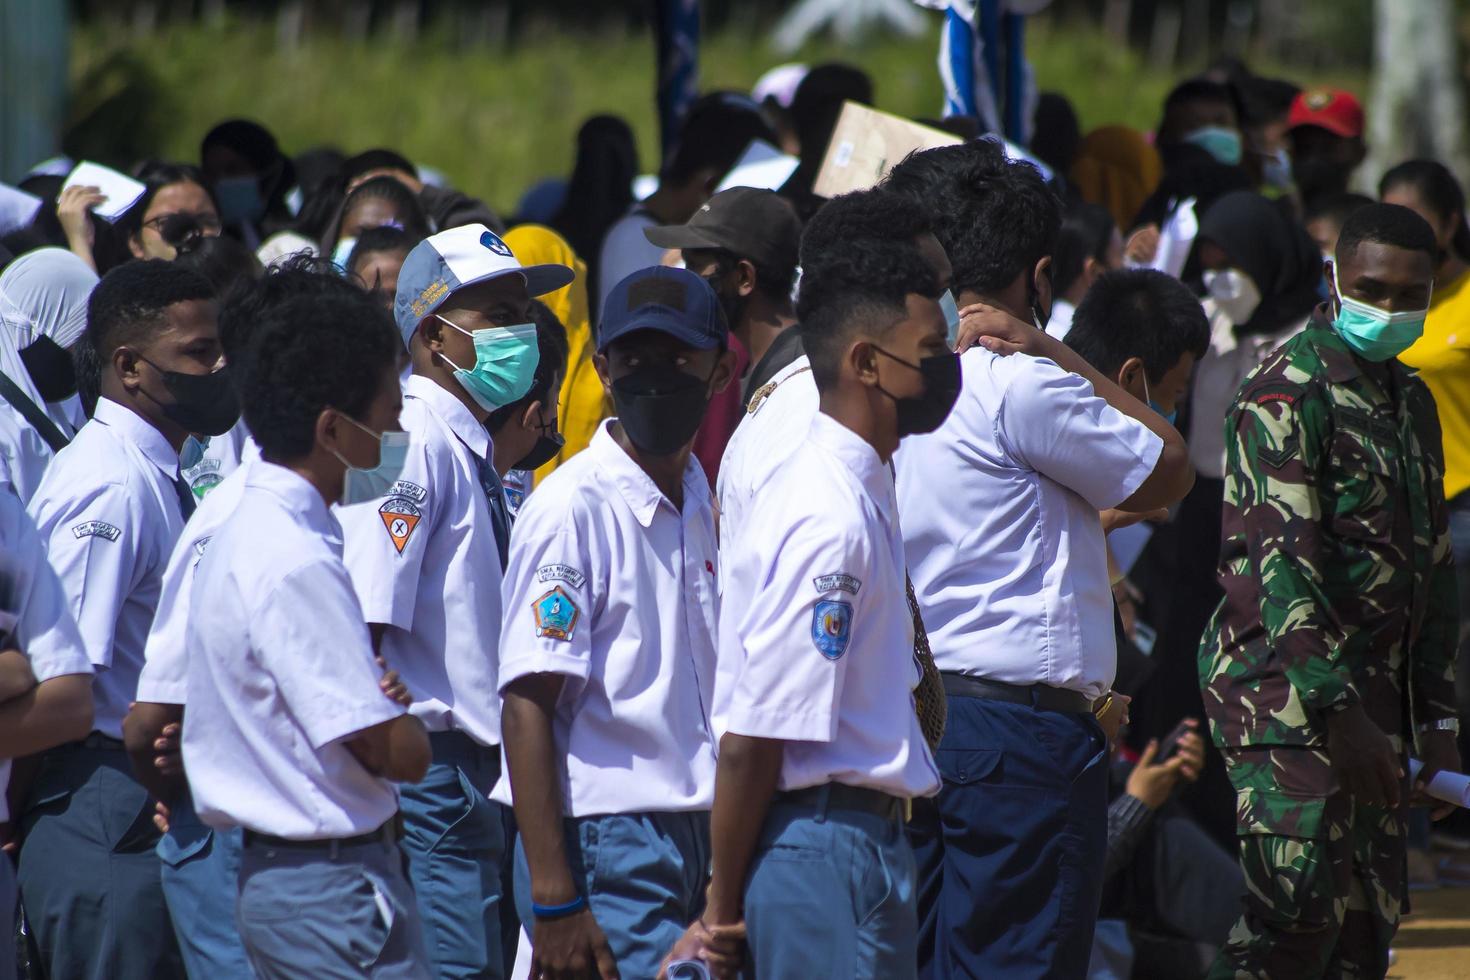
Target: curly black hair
(995, 217)
(309, 353)
(1385, 224)
(1139, 313)
(245, 305)
(129, 304)
(859, 262)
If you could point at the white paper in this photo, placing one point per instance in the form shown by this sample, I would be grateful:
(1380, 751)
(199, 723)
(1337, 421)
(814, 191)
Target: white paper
(122, 191)
(1176, 238)
(1015, 152)
(761, 165)
(17, 208)
(1450, 787)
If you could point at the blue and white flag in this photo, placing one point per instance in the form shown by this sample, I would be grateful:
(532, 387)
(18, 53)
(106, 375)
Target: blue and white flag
(982, 62)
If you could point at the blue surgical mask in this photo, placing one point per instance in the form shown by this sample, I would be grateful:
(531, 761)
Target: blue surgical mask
(359, 485)
(193, 452)
(1377, 335)
(505, 363)
(1170, 417)
(343, 252)
(239, 199)
(951, 316)
(1221, 143)
(1276, 170)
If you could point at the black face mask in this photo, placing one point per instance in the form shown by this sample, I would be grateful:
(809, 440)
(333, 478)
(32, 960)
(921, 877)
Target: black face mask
(204, 404)
(660, 407)
(51, 370)
(545, 450)
(927, 412)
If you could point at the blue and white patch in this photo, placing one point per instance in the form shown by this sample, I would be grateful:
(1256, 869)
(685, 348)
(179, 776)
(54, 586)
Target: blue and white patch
(492, 241)
(412, 491)
(832, 627)
(96, 529)
(561, 573)
(556, 615)
(837, 583)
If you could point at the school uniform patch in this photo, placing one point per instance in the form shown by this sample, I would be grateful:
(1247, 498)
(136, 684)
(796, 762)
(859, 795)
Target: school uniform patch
(837, 583)
(832, 627)
(400, 516)
(412, 491)
(201, 544)
(96, 529)
(561, 573)
(556, 615)
(203, 483)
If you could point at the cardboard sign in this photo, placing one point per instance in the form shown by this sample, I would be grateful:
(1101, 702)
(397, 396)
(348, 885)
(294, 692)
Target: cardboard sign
(867, 144)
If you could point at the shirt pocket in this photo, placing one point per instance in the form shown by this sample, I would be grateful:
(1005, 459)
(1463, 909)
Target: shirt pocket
(1364, 477)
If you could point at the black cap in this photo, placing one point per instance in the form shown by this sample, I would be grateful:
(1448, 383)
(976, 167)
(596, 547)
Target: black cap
(747, 222)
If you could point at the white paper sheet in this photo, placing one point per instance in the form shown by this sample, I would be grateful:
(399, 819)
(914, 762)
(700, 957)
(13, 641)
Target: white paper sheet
(121, 190)
(761, 165)
(17, 208)
(1451, 787)
(1176, 238)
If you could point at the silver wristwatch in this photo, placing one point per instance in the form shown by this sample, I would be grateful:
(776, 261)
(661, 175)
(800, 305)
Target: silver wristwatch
(1443, 725)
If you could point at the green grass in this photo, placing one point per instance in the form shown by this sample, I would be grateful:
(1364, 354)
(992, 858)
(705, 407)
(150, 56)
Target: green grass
(495, 119)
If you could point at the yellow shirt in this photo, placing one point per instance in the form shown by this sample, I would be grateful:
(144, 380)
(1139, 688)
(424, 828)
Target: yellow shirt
(1442, 357)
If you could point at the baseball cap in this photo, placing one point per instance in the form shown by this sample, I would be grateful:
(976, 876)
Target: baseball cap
(455, 258)
(671, 301)
(1332, 109)
(748, 222)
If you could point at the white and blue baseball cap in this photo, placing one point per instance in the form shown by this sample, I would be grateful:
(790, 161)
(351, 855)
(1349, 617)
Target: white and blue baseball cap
(458, 257)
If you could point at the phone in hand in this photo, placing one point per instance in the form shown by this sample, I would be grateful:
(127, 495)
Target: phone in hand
(688, 970)
(1170, 744)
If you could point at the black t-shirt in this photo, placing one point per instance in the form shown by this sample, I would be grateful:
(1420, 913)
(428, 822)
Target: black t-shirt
(783, 350)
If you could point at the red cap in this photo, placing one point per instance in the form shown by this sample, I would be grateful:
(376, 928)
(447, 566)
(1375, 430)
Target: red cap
(1332, 109)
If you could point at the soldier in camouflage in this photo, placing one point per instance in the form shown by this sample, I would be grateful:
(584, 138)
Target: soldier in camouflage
(1333, 649)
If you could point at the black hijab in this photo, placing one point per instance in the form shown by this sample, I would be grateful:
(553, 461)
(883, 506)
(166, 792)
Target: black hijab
(1263, 241)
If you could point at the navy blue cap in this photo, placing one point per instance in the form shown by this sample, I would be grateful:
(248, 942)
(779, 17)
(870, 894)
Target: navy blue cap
(671, 301)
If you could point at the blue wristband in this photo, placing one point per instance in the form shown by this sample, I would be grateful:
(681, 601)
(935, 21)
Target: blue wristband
(550, 912)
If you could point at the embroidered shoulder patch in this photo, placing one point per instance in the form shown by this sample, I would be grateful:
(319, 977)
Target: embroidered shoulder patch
(556, 615)
(561, 573)
(400, 516)
(96, 529)
(412, 491)
(837, 583)
(832, 627)
(201, 544)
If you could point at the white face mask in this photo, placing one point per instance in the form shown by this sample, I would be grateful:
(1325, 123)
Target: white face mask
(1234, 292)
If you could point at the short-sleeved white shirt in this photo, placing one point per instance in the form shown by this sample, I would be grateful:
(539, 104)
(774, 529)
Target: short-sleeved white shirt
(108, 511)
(613, 588)
(165, 675)
(424, 562)
(1000, 523)
(33, 609)
(762, 443)
(281, 671)
(816, 638)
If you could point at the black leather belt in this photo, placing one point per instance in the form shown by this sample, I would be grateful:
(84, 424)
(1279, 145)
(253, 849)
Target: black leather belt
(840, 796)
(386, 834)
(1037, 695)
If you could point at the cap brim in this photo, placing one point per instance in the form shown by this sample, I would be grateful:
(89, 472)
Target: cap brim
(681, 237)
(543, 279)
(1333, 126)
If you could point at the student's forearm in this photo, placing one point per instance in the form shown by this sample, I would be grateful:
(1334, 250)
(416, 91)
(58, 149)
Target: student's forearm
(142, 729)
(530, 752)
(408, 751)
(745, 781)
(15, 675)
(48, 715)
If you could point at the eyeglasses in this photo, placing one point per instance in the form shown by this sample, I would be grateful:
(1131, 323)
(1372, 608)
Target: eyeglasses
(206, 221)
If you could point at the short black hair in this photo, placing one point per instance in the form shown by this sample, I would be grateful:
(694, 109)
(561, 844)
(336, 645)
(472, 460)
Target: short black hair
(1336, 207)
(995, 217)
(716, 131)
(1384, 224)
(1438, 188)
(375, 159)
(1058, 133)
(382, 239)
(1139, 313)
(1264, 100)
(817, 104)
(223, 260)
(859, 262)
(1086, 232)
(551, 350)
(130, 303)
(309, 353)
(1188, 92)
(245, 306)
(773, 281)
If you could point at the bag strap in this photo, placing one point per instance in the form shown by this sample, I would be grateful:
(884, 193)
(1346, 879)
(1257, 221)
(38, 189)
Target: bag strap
(38, 419)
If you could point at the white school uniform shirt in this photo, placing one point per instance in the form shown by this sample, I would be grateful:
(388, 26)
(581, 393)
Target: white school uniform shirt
(34, 613)
(281, 672)
(424, 562)
(108, 511)
(613, 588)
(761, 444)
(816, 638)
(1000, 522)
(165, 675)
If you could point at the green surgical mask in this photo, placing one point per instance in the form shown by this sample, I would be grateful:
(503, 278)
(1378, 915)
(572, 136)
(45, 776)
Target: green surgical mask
(505, 363)
(1377, 335)
(1221, 143)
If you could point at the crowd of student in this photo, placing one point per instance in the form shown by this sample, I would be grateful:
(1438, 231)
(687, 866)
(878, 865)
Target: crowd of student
(738, 580)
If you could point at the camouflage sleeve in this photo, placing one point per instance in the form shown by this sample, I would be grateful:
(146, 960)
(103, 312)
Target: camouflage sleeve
(1276, 448)
(1432, 659)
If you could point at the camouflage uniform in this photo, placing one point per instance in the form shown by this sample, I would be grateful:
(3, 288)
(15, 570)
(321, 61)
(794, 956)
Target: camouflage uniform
(1339, 589)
